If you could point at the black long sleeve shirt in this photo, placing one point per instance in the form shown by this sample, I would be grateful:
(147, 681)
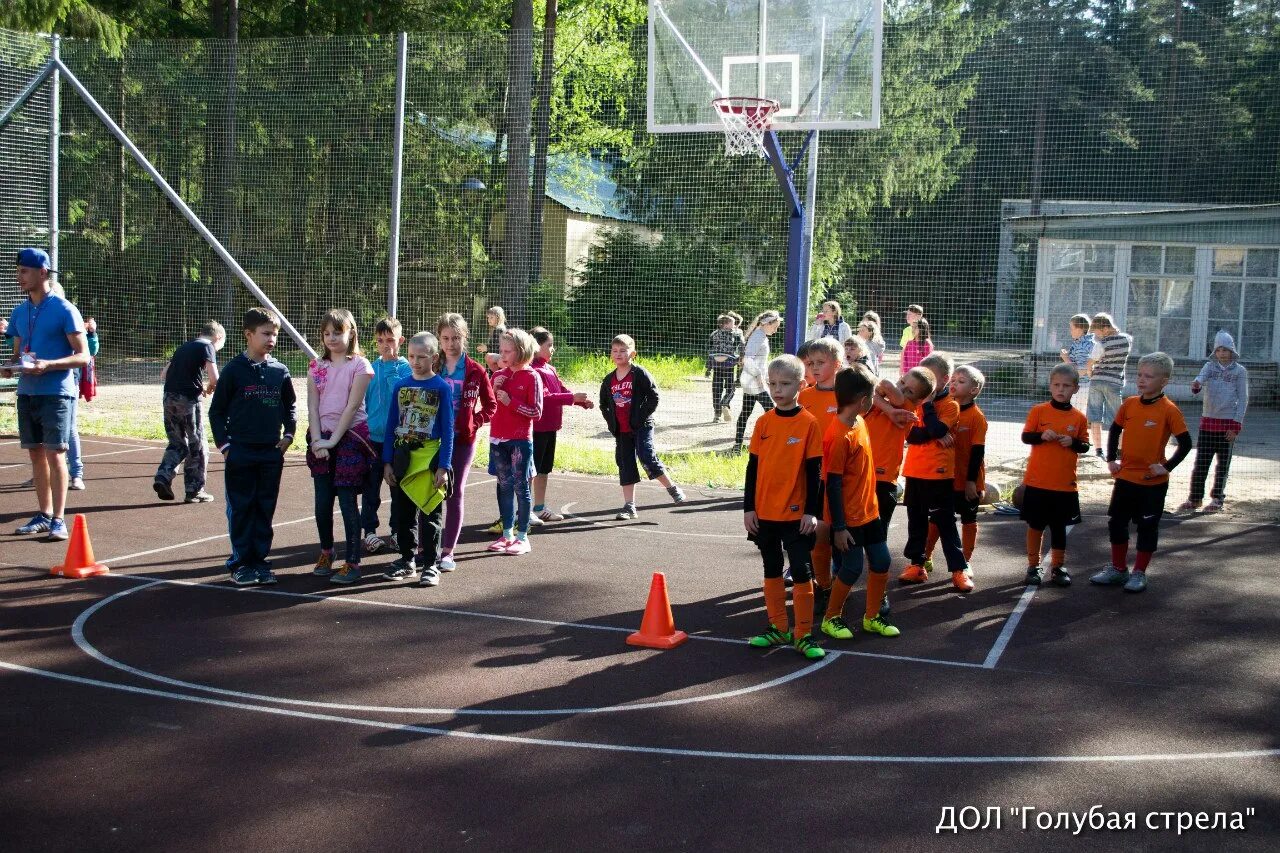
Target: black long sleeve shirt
(254, 403)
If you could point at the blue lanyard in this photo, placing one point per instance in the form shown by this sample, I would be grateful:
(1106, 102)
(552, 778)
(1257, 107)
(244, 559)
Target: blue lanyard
(32, 316)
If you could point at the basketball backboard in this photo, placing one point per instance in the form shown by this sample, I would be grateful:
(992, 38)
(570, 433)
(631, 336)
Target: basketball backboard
(820, 59)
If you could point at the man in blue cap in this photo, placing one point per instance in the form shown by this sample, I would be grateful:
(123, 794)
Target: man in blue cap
(49, 343)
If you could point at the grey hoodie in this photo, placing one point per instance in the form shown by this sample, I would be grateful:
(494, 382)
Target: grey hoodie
(1226, 388)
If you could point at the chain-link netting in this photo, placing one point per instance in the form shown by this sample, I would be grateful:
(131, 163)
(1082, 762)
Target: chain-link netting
(1027, 170)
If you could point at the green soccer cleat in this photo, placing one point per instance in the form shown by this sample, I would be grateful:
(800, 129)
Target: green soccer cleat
(837, 628)
(807, 647)
(877, 625)
(772, 637)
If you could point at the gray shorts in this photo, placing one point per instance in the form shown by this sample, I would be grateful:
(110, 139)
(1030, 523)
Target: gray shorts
(1104, 402)
(45, 421)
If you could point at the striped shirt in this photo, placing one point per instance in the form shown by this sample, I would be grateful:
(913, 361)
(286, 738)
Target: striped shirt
(1114, 352)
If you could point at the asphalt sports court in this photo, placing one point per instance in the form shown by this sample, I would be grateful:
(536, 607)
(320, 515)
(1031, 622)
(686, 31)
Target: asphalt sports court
(160, 708)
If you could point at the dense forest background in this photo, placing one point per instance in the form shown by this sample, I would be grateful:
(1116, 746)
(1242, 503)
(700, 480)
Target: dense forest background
(274, 120)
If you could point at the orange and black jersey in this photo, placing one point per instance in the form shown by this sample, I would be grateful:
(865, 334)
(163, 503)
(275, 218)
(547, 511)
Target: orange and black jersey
(851, 479)
(926, 458)
(1052, 466)
(822, 405)
(1146, 426)
(888, 443)
(971, 447)
(784, 469)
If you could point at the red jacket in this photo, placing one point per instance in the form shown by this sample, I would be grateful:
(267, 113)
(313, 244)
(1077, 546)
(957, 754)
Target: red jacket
(475, 388)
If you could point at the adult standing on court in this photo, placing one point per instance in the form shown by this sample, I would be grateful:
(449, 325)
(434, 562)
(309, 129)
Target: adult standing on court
(49, 339)
(830, 324)
(755, 370)
(1106, 383)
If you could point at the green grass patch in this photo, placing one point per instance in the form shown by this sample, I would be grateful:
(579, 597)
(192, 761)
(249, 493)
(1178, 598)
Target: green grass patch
(584, 371)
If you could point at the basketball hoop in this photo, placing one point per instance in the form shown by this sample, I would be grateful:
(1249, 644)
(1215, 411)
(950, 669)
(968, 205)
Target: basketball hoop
(745, 121)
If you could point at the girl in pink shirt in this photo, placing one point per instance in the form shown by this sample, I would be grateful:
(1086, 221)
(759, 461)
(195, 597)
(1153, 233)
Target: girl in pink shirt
(519, 391)
(918, 348)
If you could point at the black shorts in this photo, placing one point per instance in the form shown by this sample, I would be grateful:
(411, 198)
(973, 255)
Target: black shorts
(867, 534)
(928, 495)
(1044, 507)
(1137, 503)
(965, 508)
(544, 453)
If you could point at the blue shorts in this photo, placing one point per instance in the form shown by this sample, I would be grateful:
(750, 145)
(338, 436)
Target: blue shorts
(1104, 402)
(45, 421)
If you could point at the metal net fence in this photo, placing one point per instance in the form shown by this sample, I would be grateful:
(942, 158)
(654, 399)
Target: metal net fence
(1027, 170)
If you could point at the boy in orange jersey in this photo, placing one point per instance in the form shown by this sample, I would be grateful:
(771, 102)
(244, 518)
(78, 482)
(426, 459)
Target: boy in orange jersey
(822, 359)
(1141, 470)
(850, 475)
(930, 471)
(780, 505)
(971, 469)
(1057, 432)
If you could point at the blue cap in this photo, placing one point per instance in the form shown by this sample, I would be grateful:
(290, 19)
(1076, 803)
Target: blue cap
(34, 258)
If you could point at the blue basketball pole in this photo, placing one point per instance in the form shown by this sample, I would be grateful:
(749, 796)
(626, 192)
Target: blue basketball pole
(797, 303)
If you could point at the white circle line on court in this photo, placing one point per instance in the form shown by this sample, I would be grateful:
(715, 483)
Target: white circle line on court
(77, 635)
(522, 740)
(644, 529)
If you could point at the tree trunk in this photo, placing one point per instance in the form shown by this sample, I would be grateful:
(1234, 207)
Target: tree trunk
(542, 141)
(515, 257)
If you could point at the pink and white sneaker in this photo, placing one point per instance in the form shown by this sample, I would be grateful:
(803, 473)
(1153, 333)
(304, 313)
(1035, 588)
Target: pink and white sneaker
(518, 547)
(501, 545)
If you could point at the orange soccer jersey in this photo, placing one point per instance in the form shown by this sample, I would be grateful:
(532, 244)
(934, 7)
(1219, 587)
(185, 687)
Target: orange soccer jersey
(887, 445)
(1052, 466)
(850, 457)
(1147, 428)
(971, 429)
(932, 461)
(782, 444)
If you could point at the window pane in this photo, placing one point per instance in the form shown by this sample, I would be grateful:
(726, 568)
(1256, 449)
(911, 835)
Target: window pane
(1224, 299)
(1262, 263)
(1232, 328)
(1259, 301)
(1096, 296)
(1145, 259)
(1143, 330)
(1228, 261)
(1175, 337)
(1175, 298)
(1144, 298)
(1064, 256)
(1100, 259)
(1180, 260)
(1255, 343)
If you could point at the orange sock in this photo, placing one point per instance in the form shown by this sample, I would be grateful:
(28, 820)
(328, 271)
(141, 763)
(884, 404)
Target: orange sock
(1057, 556)
(821, 558)
(931, 541)
(968, 539)
(802, 604)
(775, 603)
(1035, 539)
(839, 595)
(877, 582)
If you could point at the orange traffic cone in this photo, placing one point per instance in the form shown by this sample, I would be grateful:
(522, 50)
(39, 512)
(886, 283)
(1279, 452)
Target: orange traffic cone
(80, 562)
(658, 628)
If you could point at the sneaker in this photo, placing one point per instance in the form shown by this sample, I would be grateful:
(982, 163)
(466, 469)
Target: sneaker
(430, 577)
(500, 545)
(39, 523)
(373, 543)
(76, 484)
(1109, 576)
(324, 565)
(447, 563)
(837, 628)
(401, 569)
(914, 574)
(27, 484)
(200, 497)
(770, 638)
(58, 530)
(496, 527)
(518, 547)
(1187, 507)
(1215, 505)
(347, 573)
(244, 576)
(878, 625)
(163, 490)
(677, 495)
(961, 582)
(1060, 576)
(628, 511)
(807, 647)
(1137, 582)
(1035, 576)
(548, 515)
(264, 576)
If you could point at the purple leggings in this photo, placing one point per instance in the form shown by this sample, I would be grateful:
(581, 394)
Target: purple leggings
(462, 456)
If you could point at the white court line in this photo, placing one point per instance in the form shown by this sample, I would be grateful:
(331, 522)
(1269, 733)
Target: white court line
(520, 740)
(82, 456)
(1010, 625)
(631, 528)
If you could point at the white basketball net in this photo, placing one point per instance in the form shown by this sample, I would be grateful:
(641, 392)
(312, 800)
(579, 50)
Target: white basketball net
(745, 121)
